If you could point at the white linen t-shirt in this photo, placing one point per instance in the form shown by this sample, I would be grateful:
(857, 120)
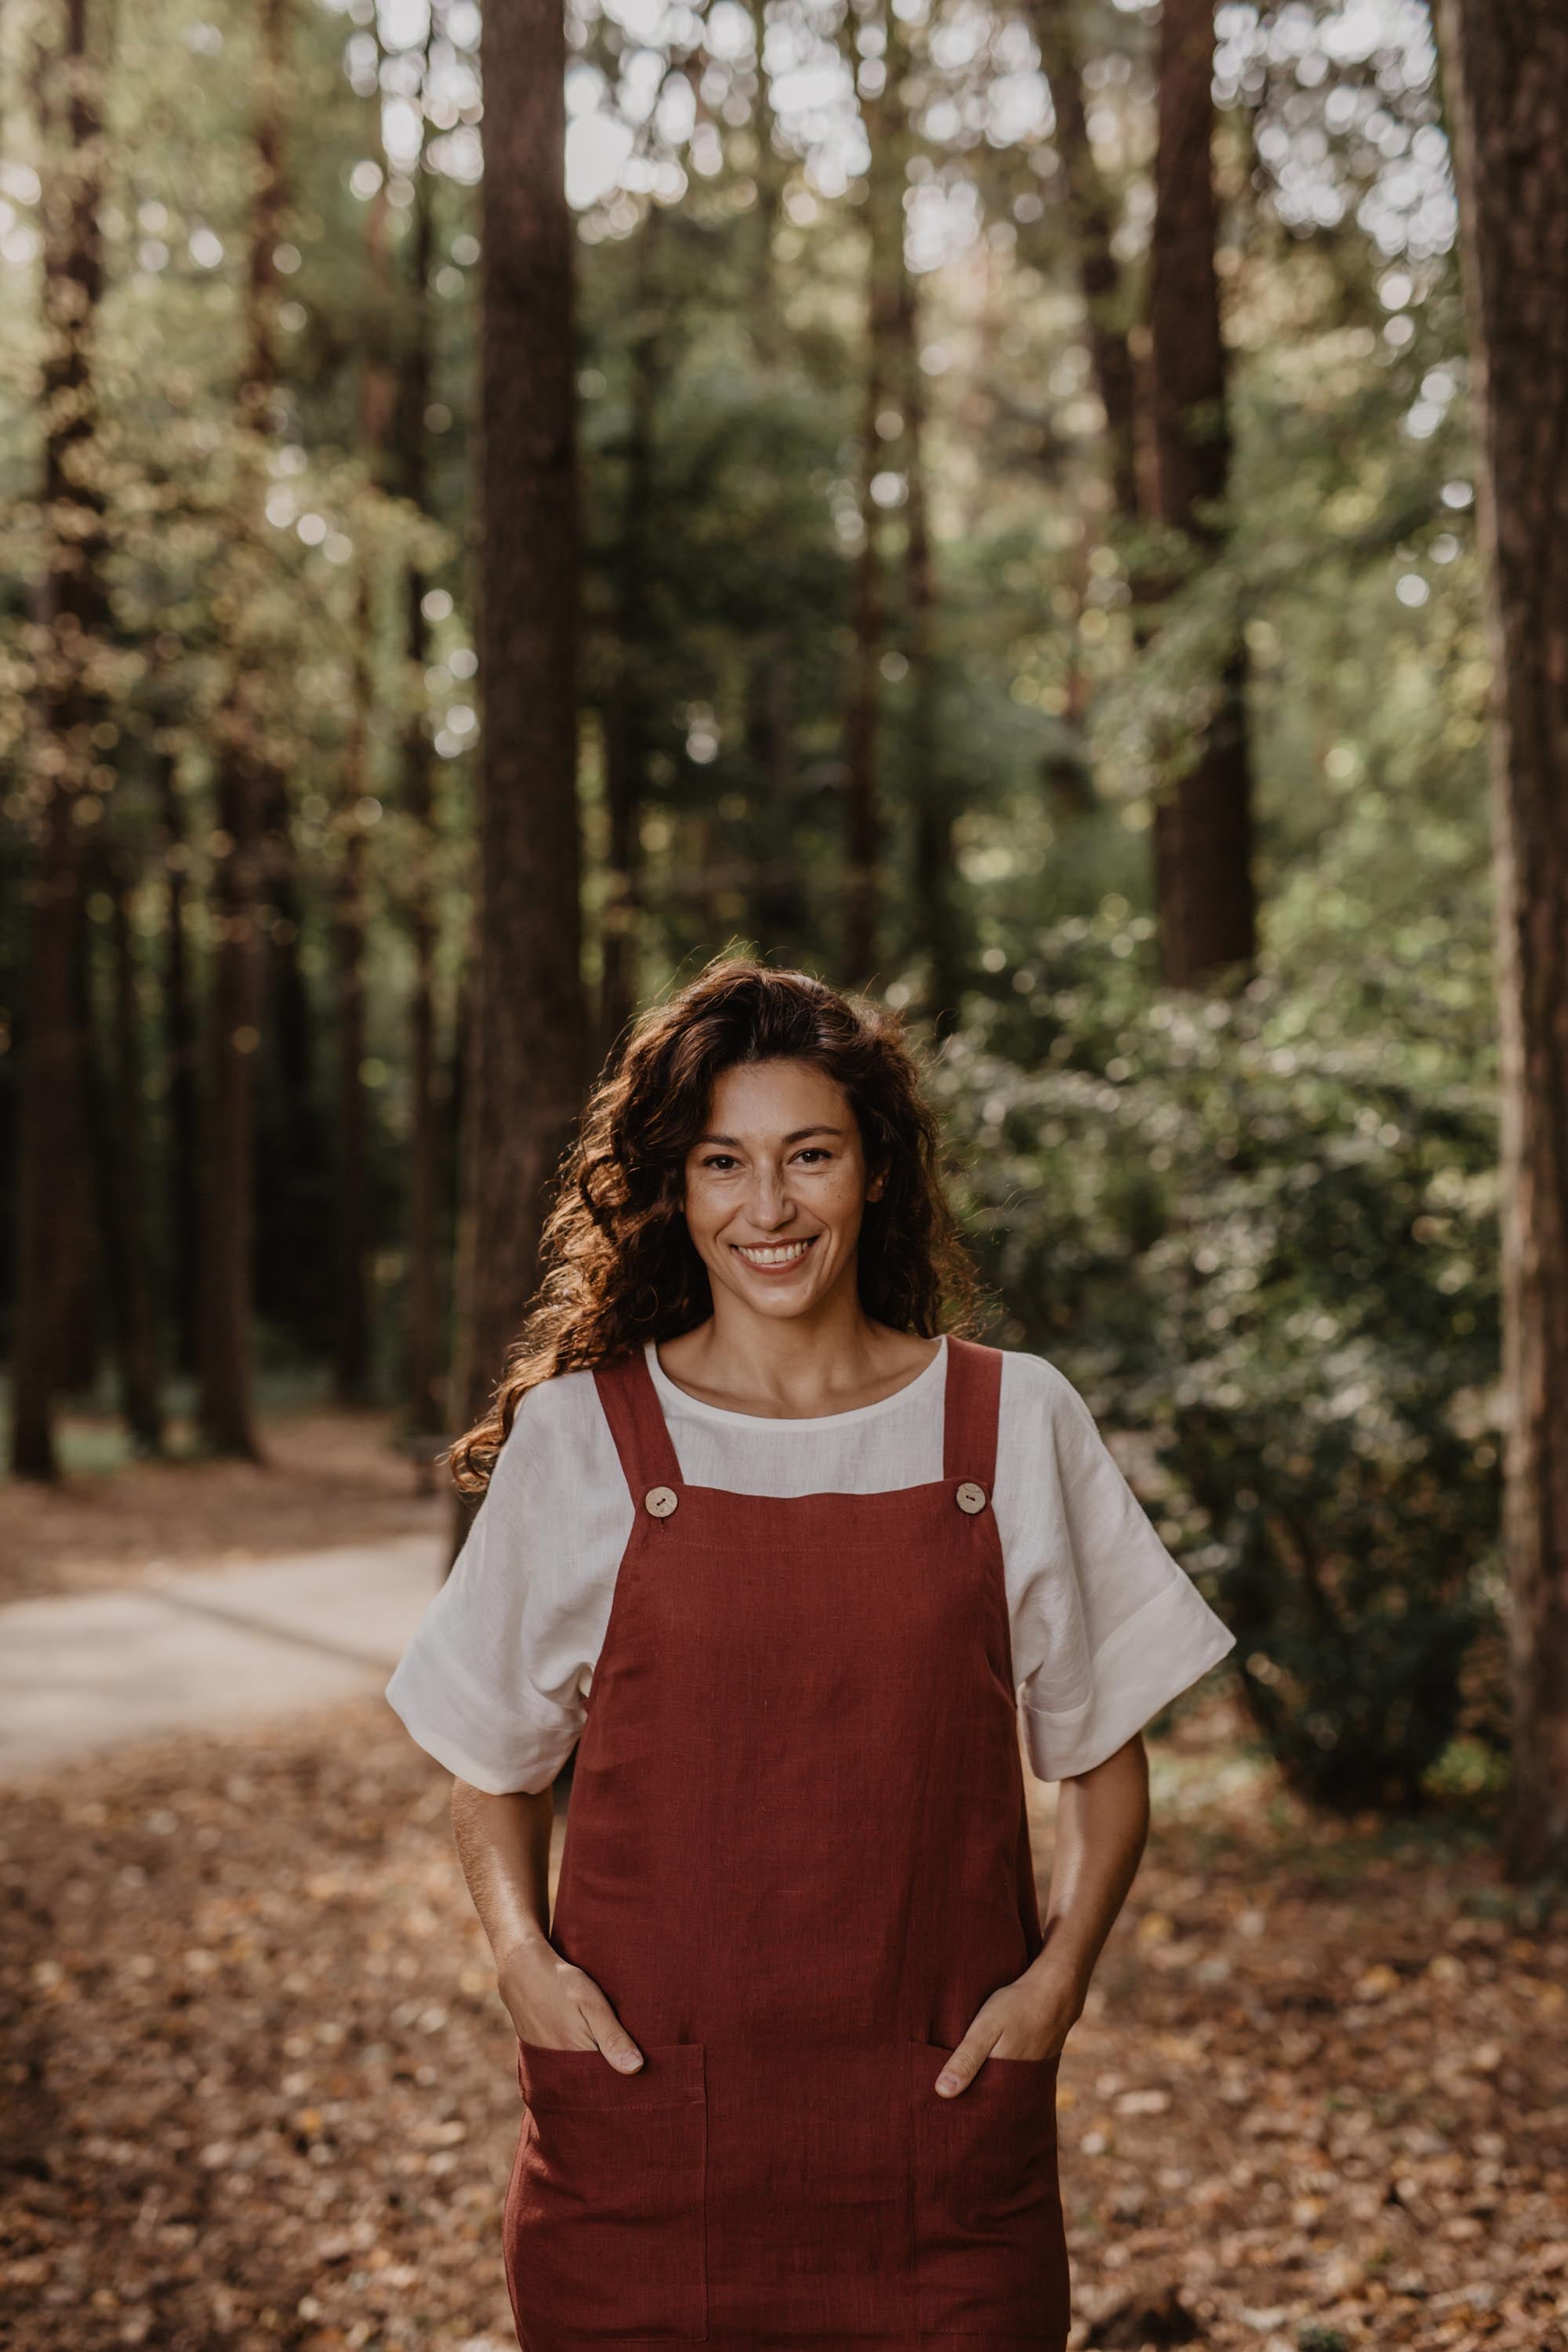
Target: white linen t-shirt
(1106, 1627)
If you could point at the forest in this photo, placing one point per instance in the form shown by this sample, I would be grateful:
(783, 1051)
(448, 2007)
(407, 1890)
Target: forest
(1053, 513)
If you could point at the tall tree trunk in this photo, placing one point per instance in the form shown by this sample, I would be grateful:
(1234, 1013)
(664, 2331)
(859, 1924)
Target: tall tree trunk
(351, 1155)
(350, 1186)
(292, 1146)
(777, 914)
(181, 1190)
(424, 1405)
(1090, 211)
(71, 613)
(529, 1061)
(934, 860)
(770, 174)
(225, 1411)
(1507, 75)
(1203, 830)
(113, 1091)
(864, 826)
(627, 718)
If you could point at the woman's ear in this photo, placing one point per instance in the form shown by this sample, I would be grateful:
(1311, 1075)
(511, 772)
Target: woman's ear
(877, 1185)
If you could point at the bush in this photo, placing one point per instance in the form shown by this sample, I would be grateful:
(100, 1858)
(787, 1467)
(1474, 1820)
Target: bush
(1278, 1257)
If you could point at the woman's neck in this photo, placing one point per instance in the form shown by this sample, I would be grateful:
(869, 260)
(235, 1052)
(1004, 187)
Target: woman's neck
(796, 1368)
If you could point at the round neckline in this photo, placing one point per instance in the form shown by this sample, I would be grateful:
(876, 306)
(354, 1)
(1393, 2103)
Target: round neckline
(671, 1392)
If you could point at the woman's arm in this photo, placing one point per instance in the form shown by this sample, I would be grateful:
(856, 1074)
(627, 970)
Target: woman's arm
(1103, 1820)
(503, 1846)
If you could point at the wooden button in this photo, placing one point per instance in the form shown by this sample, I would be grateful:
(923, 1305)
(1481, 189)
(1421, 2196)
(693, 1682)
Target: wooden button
(661, 1501)
(970, 1497)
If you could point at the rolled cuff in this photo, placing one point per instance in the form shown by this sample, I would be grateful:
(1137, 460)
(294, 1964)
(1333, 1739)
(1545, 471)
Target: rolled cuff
(1161, 1650)
(504, 1755)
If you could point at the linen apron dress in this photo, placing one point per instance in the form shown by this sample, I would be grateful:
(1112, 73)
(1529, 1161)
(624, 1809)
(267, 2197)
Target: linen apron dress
(796, 1862)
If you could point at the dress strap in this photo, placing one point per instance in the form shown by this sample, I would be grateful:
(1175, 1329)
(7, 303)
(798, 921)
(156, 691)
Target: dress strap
(637, 1424)
(970, 1411)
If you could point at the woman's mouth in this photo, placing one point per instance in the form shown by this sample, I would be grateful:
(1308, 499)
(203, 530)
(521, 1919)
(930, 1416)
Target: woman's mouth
(772, 1257)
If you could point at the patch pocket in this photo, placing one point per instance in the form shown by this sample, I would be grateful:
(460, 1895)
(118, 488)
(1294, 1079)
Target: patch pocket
(604, 2222)
(990, 2255)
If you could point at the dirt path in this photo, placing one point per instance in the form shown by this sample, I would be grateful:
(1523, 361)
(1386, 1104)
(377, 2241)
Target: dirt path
(205, 1649)
(260, 2095)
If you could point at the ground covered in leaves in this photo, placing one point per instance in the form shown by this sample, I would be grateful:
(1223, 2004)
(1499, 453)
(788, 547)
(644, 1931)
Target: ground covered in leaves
(258, 2094)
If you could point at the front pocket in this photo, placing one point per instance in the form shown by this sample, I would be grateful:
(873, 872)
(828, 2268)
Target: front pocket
(990, 2255)
(603, 2228)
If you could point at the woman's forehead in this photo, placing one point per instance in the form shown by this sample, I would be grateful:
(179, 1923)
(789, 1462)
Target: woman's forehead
(776, 1099)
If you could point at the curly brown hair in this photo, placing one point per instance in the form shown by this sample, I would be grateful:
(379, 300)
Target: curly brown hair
(617, 1265)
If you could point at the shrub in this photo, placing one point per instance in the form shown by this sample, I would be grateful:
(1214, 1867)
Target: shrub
(1278, 1257)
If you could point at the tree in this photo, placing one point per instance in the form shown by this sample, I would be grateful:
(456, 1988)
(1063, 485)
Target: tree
(1507, 76)
(224, 1410)
(422, 1401)
(627, 716)
(527, 1060)
(351, 1170)
(114, 1093)
(1091, 212)
(932, 895)
(1203, 829)
(879, 421)
(70, 615)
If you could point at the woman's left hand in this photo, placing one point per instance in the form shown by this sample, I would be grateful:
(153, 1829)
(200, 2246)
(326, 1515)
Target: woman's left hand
(1030, 2018)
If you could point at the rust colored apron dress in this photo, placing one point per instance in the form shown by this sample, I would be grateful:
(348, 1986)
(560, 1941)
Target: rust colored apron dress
(796, 1861)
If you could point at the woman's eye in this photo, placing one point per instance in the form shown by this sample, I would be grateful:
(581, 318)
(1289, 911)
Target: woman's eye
(815, 1151)
(720, 1160)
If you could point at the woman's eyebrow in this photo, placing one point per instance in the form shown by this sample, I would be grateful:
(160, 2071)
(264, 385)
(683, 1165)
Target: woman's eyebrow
(796, 1135)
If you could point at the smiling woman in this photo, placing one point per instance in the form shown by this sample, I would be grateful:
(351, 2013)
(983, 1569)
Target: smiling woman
(776, 1554)
(696, 1141)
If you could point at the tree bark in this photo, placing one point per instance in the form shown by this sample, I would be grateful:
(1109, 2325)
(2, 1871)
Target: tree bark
(1203, 829)
(1507, 82)
(1091, 212)
(182, 1052)
(378, 392)
(225, 1409)
(868, 619)
(778, 915)
(350, 1184)
(934, 859)
(70, 611)
(627, 724)
(292, 1142)
(771, 173)
(112, 1092)
(528, 1048)
(424, 1406)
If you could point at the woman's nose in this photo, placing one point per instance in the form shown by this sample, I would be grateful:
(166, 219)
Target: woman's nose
(770, 1203)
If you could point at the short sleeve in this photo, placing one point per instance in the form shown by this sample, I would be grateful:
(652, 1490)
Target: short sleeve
(494, 1682)
(1107, 1628)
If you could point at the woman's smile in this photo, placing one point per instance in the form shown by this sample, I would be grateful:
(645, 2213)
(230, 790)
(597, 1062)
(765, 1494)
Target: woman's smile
(774, 1257)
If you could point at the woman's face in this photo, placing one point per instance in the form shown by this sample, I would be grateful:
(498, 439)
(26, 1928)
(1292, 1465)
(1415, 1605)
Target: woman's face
(776, 1186)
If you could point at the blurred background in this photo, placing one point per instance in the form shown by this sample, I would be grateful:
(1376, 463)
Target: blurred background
(981, 500)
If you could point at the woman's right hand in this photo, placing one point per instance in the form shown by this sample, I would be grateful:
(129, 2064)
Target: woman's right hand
(558, 2006)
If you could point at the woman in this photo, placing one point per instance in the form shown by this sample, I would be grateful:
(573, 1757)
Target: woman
(783, 1554)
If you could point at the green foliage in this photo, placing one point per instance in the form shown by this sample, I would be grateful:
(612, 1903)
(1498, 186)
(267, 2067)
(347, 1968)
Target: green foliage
(1263, 1233)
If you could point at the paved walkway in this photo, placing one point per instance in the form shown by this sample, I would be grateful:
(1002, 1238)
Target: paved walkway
(206, 1647)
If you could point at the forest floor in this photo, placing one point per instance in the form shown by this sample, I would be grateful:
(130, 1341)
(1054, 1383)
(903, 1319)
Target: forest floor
(260, 2092)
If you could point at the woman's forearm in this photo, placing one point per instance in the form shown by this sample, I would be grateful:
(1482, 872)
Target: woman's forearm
(1103, 1820)
(503, 1846)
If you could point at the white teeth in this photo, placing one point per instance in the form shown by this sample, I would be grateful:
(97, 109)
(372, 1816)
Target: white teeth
(777, 1254)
